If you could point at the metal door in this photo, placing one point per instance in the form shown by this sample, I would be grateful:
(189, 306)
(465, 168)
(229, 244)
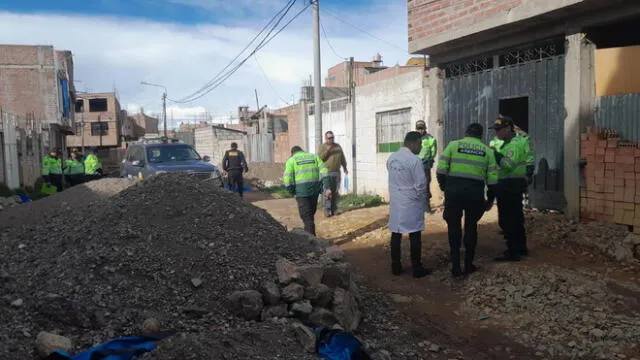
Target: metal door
(475, 97)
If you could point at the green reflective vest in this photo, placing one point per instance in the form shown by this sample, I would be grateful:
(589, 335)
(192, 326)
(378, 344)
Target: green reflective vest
(304, 175)
(469, 158)
(512, 159)
(51, 166)
(92, 164)
(429, 148)
(74, 167)
(48, 189)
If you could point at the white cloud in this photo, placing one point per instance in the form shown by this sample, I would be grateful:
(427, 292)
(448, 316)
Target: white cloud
(123, 52)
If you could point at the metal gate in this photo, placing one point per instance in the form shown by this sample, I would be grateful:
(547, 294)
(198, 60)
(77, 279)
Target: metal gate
(475, 97)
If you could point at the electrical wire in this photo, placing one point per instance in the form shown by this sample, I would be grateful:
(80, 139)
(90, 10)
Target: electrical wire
(255, 57)
(215, 83)
(362, 30)
(286, 8)
(326, 38)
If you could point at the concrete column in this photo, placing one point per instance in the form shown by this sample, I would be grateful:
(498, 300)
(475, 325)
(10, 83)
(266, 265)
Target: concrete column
(579, 97)
(435, 123)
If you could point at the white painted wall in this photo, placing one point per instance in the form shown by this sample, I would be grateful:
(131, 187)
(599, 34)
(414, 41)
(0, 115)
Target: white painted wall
(402, 91)
(340, 123)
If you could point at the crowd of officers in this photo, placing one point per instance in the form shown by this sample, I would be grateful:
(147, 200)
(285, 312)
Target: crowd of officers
(472, 176)
(59, 174)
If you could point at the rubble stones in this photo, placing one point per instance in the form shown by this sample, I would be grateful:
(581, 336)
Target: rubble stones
(246, 304)
(323, 317)
(301, 309)
(337, 276)
(275, 311)
(47, 343)
(306, 337)
(334, 253)
(292, 293)
(311, 274)
(150, 326)
(345, 307)
(287, 271)
(270, 292)
(320, 295)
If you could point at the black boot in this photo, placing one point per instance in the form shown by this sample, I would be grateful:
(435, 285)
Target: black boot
(416, 256)
(469, 268)
(455, 263)
(396, 263)
(508, 257)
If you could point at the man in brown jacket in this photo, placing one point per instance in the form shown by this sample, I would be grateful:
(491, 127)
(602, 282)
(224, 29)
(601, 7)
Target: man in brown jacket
(331, 153)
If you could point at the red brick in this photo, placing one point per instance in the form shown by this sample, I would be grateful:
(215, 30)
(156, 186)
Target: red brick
(600, 151)
(612, 144)
(625, 159)
(626, 151)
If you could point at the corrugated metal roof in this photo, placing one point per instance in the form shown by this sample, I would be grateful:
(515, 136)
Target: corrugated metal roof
(620, 113)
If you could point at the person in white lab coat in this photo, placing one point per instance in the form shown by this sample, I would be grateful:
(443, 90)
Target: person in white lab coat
(407, 191)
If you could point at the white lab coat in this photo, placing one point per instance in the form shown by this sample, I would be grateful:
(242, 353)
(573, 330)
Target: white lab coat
(407, 192)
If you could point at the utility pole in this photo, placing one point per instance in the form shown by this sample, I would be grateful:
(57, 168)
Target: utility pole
(352, 98)
(82, 130)
(317, 90)
(164, 111)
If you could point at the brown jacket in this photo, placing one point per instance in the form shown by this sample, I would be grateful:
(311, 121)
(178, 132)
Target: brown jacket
(333, 157)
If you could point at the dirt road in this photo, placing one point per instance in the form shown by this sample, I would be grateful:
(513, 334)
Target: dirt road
(563, 302)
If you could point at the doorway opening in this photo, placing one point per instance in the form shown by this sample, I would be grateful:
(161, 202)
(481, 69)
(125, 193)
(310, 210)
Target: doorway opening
(518, 110)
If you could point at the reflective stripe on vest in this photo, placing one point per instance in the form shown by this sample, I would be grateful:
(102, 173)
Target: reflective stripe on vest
(513, 164)
(469, 158)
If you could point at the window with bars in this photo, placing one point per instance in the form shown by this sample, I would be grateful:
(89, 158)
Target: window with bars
(99, 129)
(391, 127)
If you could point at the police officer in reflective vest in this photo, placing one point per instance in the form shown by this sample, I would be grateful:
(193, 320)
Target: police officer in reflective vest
(235, 164)
(514, 175)
(427, 155)
(74, 170)
(305, 176)
(465, 167)
(52, 169)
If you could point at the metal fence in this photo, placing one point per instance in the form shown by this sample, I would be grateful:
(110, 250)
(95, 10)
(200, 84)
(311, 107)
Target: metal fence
(259, 147)
(620, 113)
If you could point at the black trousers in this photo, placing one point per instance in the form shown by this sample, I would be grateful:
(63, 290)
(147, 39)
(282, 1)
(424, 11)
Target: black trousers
(55, 180)
(307, 207)
(427, 173)
(455, 206)
(331, 203)
(74, 179)
(415, 239)
(511, 221)
(236, 179)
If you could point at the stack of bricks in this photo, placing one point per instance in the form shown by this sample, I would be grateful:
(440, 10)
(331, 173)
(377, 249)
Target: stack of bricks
(611, 188)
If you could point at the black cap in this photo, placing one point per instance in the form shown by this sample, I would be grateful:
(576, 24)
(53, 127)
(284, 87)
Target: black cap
(420, 125)
(502, 122)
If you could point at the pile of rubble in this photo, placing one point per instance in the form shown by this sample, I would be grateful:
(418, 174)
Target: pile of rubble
(172, 253)
(557, 312)
(612, 240)
(8, 202)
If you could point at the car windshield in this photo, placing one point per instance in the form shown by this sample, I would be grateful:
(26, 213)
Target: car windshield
(161, 154)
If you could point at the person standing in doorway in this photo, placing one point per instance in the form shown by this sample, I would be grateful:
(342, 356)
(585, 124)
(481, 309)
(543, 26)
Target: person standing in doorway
(235, 164)
(427, 154)
(407, 194)
(305, 176)
(333, 157)
(465, 167)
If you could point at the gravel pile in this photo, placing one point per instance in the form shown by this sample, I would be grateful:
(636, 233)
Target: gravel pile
(557, 312)
(171, 248)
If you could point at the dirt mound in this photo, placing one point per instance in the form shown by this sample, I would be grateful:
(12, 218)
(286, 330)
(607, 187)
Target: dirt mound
(71, 200)
(172, 248)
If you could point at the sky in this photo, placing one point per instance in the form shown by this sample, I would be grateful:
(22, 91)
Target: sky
(183, 44)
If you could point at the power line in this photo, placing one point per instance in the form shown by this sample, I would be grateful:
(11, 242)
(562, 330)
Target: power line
(362, 30)
(326, 38)
(255, 57)
(286, 8)
(217, 82)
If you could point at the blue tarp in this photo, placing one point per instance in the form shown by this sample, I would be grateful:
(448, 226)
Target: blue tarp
(66, 104)
(126, 348)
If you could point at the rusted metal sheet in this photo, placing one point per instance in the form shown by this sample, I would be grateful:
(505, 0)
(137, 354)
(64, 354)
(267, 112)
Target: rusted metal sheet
(476, 97)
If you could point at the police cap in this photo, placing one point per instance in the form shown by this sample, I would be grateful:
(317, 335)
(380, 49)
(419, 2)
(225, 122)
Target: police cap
(502, 122)
(420, 125)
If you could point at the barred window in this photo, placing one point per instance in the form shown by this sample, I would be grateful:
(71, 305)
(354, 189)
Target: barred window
(391, 127)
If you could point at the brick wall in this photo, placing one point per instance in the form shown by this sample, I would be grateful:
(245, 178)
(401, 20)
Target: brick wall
(611, 179)
(431, 17)
(112, 117)
(294, 133)
(28, 81)
(213, 142)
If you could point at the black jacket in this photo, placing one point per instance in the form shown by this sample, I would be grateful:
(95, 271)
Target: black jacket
(234, 160)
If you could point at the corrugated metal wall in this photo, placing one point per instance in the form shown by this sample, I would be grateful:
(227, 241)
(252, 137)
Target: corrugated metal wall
(476, 98)
(620, 113)
(259, 147)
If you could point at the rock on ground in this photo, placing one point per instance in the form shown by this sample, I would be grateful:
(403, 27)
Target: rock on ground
(47, 343)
